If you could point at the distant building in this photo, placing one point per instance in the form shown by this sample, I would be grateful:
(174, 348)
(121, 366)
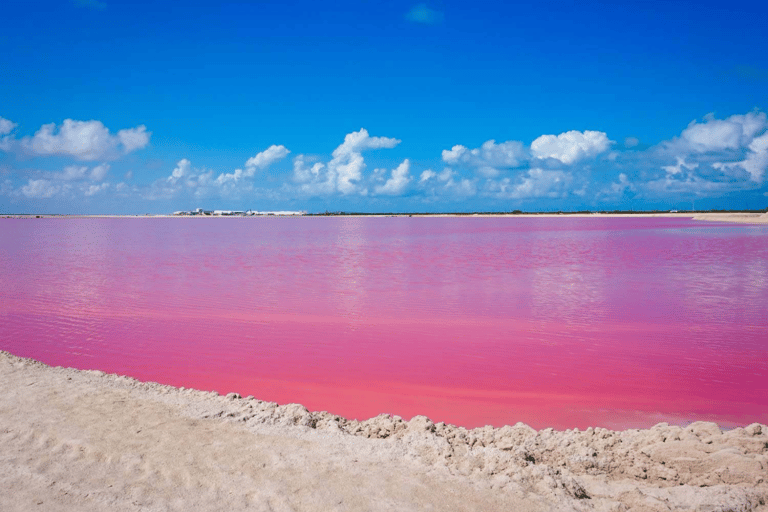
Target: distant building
(279, 213)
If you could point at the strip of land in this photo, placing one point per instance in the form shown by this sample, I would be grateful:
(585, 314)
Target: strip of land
(84, 440)
(739, 217)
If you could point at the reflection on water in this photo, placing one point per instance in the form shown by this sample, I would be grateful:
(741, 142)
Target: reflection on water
(349, 265)
(555, 322)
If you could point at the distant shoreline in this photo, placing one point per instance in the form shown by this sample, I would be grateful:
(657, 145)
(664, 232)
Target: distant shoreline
(744, 217)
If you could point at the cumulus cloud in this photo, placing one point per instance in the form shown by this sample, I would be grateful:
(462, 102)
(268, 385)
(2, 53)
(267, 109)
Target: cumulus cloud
(396, 184)
(95, 189)
(266, 158)
(714, 134)
(489, 158)
(755, 163)
(618, 188)
(714, 156)
(534, 183)
(357, 142)
(40, 189)
(447, 183)
(202, 183)
(73, 172)
(571, 146)
(182, 169)
(85, 140)
(81, 172)
(256, 163)
(427, 175)
(302, 172)
(99, 172)
(344, 173)
(679, 167)
(6, 127)
(134, 138)
(420, 13)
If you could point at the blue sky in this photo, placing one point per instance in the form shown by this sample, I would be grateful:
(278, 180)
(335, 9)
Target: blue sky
(131, 107)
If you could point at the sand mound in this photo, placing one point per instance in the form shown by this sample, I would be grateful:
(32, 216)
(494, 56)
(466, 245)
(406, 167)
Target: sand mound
(83, 440)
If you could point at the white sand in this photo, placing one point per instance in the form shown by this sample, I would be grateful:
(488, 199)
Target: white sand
(83, 440)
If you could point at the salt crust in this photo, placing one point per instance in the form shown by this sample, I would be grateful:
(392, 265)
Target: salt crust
(697, 467)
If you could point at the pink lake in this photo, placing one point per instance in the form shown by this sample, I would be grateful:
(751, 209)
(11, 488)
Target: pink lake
(555, 322)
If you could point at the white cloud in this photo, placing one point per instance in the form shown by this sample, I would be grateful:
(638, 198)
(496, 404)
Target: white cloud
(690, 184)
(259, 162)
(756, 161)
(618, 188)
(420, 13)
(302, 173)
(679, 167)
(99, 172)
(357, 142)
(84, 140)
(719, 134)
(447, 183)
(570, 146)
(95, 189)
(232, 177)
(73, 172)
(399, 180)
(488, 158)
(427, 175)
(182, 169)
(348, 171)
(734, 147)
(40, 189)
(266, 158)
(203, 183)
(464, 187)
(535, 183)
(80, 172)
(344, 173)
(133, 138)
(6, 127)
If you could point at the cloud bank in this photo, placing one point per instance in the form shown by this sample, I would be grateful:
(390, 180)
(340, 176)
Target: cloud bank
(710, 157)
(81, 140)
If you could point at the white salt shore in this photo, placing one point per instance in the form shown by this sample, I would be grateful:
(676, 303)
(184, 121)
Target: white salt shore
(85, 440)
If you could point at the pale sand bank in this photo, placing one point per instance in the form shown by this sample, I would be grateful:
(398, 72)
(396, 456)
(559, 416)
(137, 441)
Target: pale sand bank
(79, 440)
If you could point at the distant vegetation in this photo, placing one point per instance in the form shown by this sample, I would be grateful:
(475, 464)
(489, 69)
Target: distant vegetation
(520, 212)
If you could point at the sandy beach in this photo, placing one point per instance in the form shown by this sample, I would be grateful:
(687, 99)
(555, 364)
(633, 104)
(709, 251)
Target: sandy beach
(85, 440)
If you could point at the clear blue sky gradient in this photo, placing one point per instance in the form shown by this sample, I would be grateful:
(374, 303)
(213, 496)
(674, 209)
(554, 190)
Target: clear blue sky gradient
(218, 83)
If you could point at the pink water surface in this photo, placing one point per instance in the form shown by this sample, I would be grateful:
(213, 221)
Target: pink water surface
(562, 322)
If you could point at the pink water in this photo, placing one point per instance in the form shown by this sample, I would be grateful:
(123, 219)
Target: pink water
(563, 322)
